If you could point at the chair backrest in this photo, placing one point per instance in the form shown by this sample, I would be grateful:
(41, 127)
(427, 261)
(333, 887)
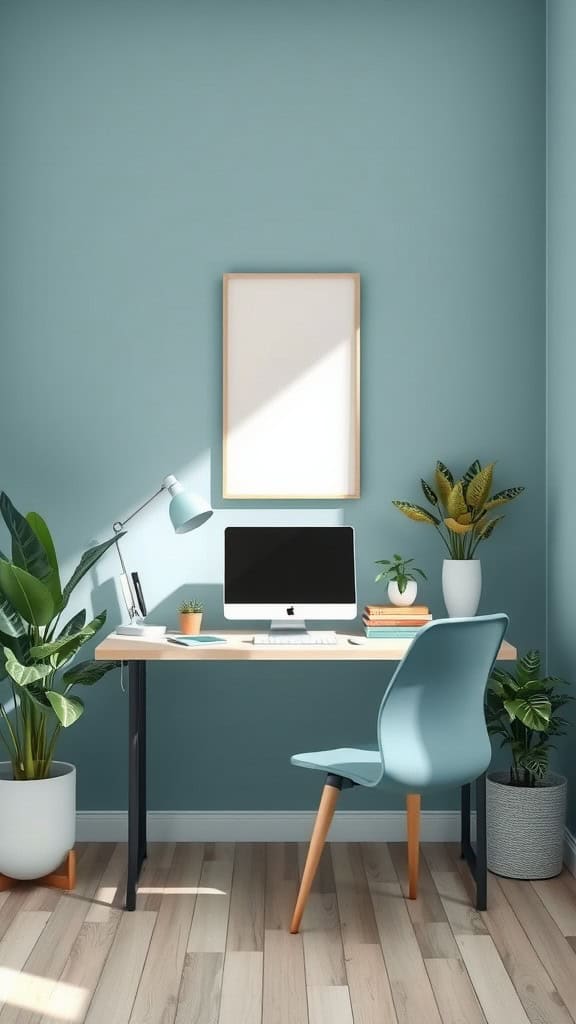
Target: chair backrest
(431, 723)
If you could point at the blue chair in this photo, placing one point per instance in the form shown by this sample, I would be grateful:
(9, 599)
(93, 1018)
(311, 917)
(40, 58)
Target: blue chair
(431, 731)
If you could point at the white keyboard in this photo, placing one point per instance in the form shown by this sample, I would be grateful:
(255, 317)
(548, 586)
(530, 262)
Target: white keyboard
(296, 639)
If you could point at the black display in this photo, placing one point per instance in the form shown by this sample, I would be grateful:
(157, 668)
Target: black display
(289, 565)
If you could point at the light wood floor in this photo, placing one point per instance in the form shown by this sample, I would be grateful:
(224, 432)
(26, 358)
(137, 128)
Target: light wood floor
(208, 943)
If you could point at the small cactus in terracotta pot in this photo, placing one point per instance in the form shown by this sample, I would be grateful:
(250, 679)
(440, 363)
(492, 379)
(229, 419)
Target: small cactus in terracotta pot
(191, 617)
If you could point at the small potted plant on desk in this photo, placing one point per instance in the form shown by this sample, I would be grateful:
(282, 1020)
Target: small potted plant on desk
(191, 617)
(402, 584)
(37, 792)
(526, 806)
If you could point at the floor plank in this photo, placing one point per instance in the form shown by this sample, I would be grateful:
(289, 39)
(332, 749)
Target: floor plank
(496, 993)
(50, 954)
(532, 982)
(116, 991)
(246, 921)
(329, 1005)
(210, 919)
(157, 995)
(455, 995)
(322, 938)
(200, 991)
(284, 992)
(559, 898)
(16, 946)
(369, 987)
(551, 946)
(411, 989)
(241, 1001)
(354, 904)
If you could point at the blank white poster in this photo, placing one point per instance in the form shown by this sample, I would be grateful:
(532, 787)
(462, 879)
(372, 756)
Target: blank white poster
(291, 386)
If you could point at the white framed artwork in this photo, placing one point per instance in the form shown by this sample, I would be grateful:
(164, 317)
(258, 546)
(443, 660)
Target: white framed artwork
(291, 402)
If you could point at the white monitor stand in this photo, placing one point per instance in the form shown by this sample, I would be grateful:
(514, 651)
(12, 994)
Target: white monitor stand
(288, 626)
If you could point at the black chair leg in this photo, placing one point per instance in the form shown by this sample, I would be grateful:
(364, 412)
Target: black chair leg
(481, 850)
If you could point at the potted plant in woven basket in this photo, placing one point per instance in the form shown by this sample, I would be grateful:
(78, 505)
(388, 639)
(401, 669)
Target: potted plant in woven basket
(526, 805)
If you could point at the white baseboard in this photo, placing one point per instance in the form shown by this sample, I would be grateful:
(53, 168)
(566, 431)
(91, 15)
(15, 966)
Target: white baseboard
(570, 851)
(267, 826)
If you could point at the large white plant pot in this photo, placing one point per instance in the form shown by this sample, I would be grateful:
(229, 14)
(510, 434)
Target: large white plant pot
(461, 586)
(401, 600)
(37, 821)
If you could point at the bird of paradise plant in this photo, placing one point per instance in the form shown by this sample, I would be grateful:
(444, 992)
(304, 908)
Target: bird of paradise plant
(461, 507)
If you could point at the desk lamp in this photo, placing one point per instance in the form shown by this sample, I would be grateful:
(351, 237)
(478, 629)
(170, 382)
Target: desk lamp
(187, 512)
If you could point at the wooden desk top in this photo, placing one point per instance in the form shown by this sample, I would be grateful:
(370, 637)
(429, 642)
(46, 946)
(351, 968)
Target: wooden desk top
(239, 647)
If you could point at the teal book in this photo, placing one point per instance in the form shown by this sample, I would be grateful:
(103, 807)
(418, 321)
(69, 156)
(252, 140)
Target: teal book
(391, 632)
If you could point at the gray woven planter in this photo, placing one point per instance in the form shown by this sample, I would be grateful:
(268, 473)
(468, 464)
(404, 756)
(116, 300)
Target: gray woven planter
(525, 827)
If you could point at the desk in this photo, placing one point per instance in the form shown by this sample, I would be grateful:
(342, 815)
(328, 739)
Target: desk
(238, 647)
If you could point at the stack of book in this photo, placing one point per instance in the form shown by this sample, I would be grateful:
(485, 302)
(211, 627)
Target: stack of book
(386, 621)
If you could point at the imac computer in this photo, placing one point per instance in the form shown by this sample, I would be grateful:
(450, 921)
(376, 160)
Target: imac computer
(288, 574)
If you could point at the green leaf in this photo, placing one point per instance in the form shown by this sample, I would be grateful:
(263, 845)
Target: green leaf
(397, 558)
(86, 673)
(73, 625)
(528, 666)
(479, 487)
(28, 595)
(67, 709)
(11, 621)
(89, 558)
(533, 712)
(27, 551)
(45, 537)
(416, 513)
(428, 492)
(503, 497)
(421, 573)
(534, 761)
(24, 675)
(66, 647)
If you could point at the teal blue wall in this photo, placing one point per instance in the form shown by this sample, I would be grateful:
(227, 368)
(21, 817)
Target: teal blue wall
(562, 351)
(148, 147)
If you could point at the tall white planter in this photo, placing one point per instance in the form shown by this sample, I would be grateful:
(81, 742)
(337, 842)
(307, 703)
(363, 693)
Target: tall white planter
(461, 586)
(37, 821)
(406, 598)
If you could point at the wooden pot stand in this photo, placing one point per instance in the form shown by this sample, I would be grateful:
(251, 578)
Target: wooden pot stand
(63, 878)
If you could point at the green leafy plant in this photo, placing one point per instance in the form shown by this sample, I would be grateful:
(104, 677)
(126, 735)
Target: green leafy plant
(461, 507)
(190, 607)
(398, 570)
(523, 708)
(36, 652)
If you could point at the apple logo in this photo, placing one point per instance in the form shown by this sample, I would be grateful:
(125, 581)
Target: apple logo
(290, 610)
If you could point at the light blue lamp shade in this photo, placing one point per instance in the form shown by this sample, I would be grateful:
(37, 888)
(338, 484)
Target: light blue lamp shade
(188, 511)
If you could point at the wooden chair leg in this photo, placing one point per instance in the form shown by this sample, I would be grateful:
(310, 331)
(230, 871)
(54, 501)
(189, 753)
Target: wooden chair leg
(413, 816)
(328, 802)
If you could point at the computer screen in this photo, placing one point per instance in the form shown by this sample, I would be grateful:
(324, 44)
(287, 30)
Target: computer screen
(284, 572)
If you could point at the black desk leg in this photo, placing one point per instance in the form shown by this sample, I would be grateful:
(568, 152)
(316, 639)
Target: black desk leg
(476, 858)
(142, 805)
(481, 849)
(465, 820)
(136, 777)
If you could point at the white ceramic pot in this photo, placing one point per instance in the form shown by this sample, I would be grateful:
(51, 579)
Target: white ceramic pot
(401, 600)
(461, 586)
(37, 821)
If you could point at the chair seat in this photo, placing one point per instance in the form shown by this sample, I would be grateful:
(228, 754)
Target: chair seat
(360, 764)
